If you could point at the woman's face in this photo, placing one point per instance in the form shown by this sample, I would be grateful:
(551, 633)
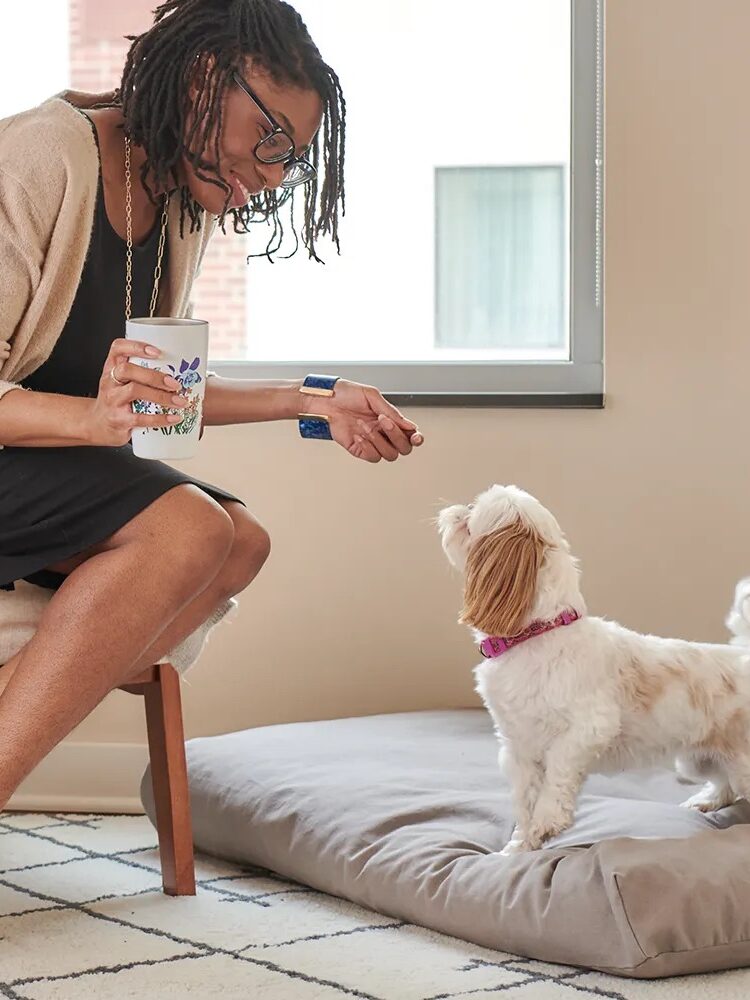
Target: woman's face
(298, 112)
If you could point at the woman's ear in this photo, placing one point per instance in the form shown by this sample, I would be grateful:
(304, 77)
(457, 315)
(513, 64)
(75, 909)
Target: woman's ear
(500, 583)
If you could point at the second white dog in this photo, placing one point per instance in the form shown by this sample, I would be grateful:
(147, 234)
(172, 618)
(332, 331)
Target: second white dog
(572, 694)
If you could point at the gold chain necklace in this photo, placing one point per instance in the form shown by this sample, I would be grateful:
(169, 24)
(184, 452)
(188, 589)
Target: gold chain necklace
(129, 256)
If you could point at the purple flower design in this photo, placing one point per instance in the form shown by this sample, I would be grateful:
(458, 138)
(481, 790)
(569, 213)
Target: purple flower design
(187, 375)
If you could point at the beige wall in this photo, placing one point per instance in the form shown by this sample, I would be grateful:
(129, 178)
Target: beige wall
(356, 611)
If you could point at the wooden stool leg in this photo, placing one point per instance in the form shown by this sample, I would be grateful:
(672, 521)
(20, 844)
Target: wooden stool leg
(166, 743)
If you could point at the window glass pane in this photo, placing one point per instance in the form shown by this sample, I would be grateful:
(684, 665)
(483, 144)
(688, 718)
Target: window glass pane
(434, 95)
(501, 259)
(30, 39)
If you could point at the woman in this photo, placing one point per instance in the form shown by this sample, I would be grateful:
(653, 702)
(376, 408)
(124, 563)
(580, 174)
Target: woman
(107, 203)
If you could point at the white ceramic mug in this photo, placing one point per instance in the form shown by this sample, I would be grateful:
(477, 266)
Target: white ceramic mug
(184, 347)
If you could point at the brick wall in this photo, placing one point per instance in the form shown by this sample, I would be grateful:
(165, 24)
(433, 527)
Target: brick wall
(97, 55)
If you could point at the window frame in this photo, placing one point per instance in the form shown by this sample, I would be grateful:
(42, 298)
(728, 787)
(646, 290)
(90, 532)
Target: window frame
(574, 382)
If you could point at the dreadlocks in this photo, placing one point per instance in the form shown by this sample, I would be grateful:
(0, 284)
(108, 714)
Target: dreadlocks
(216, 36)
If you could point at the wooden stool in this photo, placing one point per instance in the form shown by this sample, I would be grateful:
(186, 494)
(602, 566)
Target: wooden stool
(160, 686)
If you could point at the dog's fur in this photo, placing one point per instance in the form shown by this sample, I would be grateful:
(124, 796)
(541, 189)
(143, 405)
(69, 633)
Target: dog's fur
(591, 696)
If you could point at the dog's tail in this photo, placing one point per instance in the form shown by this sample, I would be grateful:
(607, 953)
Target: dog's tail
(738, 619)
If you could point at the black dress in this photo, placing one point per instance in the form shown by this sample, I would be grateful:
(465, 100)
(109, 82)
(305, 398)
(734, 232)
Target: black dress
(56, 502)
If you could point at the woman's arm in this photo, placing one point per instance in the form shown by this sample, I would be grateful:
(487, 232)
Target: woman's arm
(361, 420)
(248, 401)
(51, 420)
(43, 419)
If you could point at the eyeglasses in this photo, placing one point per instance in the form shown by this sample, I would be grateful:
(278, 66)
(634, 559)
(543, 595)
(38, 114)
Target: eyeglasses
(278, 146)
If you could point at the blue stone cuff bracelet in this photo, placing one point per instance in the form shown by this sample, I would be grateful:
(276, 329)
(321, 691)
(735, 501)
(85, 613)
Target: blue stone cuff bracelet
(313, 425)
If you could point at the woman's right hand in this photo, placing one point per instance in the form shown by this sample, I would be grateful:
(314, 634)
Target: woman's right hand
(111, 420)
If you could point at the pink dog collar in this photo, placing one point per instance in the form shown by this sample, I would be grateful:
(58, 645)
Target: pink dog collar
(495, 645)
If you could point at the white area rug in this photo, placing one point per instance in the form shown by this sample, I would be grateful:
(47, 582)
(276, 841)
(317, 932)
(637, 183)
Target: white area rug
(82, 915)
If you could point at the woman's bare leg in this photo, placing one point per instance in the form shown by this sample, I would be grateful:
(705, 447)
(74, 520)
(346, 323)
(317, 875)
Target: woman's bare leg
(113, 612)
(249, 552)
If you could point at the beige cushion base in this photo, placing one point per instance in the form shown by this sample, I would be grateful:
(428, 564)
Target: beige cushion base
(21, 609)
(406, 814)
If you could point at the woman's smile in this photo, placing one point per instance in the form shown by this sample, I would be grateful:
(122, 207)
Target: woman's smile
(242, 192)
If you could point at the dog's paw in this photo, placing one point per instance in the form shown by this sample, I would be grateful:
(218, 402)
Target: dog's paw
(546, 827)
(513, 847)
(711, 800)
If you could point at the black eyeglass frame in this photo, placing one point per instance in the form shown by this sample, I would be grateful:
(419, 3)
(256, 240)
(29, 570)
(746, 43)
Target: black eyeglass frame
(289, 160)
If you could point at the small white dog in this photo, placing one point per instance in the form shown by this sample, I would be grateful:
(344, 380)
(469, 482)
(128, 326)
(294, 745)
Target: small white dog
(571, 694)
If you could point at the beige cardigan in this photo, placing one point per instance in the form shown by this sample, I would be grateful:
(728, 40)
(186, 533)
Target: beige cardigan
(49, 171)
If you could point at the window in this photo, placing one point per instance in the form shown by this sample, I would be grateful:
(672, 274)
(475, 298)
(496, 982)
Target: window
(471, 246)
(471, 265)
(22, 28)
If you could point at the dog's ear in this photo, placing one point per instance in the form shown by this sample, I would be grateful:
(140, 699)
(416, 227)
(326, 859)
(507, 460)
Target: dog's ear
(501, 575)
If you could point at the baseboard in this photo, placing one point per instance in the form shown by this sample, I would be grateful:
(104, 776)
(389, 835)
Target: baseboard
(85, 777)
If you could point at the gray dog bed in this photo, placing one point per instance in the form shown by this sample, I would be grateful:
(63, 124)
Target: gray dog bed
(406, 813)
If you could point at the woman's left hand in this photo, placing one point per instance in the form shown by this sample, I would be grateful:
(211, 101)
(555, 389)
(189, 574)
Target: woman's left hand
(366, 424)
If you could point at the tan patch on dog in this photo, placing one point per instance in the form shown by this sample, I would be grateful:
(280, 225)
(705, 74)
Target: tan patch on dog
(646, 685)
(698, 692)
(501, 574)
(730, 737)
(699, 695)
(729, 684)
(643, 687)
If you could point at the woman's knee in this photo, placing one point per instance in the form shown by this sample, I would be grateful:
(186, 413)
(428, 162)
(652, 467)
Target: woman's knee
(250, 550)
(204, 534)
(185, 533)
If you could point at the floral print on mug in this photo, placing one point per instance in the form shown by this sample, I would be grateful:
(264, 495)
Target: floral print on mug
(189, 378)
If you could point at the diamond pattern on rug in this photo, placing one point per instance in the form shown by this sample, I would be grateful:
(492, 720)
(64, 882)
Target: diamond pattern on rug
(82, 915)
